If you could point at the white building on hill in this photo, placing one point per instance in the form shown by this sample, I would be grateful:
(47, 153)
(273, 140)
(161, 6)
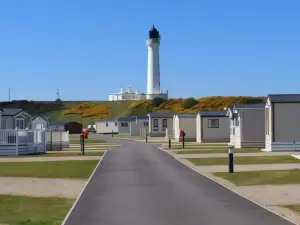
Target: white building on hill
(153, 75)
(127, 95)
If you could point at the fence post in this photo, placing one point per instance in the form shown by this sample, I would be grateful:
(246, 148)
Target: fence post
(68, 139)
(17, 141)
(60, 140)
(51, 147)
(44, 139)
(294, 145)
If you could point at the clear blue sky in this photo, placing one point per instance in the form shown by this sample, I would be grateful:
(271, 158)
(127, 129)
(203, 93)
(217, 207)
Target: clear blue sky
(90, 48)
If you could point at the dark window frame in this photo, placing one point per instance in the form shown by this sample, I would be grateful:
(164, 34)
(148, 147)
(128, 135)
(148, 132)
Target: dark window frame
(165, 123)
(155, 123)
(213, 123)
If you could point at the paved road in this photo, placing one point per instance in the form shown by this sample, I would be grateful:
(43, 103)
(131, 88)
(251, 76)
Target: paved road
(141, 185)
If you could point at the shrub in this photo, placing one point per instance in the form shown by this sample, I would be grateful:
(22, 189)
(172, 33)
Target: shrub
(189, 103)
(156, 102)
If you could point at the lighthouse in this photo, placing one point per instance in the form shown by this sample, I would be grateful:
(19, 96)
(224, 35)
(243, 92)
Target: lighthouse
(153, 76)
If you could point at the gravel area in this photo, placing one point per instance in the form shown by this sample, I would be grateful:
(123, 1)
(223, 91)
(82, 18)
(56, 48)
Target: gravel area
(222, 155)
(59, 158)
(41, 187)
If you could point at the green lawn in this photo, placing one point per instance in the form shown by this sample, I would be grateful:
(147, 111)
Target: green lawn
(87, 141)
(244, 160)
(55, 169)
(22, 210)
(262, 177)
(196, 146)
(244, 150)
(87, 153)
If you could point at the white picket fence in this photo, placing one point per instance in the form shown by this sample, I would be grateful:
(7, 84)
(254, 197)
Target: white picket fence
(31, 141)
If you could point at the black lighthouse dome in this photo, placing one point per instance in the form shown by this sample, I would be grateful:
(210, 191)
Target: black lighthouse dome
(153, 33)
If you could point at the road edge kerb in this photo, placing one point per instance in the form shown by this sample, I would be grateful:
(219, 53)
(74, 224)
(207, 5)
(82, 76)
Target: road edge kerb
(83, 189)
(228, 188)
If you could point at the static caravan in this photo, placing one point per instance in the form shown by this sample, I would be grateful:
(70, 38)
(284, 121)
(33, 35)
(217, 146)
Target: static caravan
(158, 123)
(107, 126)
(142, 122)
(40, 122)
(247, 125)
(282, 122)
(132, 125)
(186, 122)
(212, 126)
(15, 118)
(124, 125)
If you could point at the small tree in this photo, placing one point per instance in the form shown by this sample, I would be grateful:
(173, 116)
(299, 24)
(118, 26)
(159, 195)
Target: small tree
(156, 102)
(189, 103)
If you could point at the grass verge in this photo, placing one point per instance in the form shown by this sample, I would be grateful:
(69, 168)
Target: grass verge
(23, 210)
(55, 169)
(245, 150)
(89, 153)
(244, 160)
(262, 177)
(91, 141)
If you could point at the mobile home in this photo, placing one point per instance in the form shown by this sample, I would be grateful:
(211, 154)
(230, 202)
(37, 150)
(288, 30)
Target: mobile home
(186, 122)
(282, 122)
(107, 126)
(158, 123)
(212, 126)
(247, 125)
(132, 125)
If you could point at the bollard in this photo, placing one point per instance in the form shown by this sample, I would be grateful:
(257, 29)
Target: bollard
(82, 143)
(169, 143)
(230, 160)
(146, 137)
(183, 134)
(112, 133)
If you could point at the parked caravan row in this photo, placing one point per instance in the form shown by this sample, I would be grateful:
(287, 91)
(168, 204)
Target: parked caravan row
(273, 126)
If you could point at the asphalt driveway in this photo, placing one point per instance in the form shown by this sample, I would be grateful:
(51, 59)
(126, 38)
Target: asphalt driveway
(138, 184)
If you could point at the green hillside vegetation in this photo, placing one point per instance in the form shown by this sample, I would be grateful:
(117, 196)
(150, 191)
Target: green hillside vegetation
(87, 112)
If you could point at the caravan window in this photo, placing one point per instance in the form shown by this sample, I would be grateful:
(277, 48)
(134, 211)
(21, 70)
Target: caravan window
(20, 123)
(165, 123)
(124, 124)
(3, 124)
(213, 123)
(155, 123)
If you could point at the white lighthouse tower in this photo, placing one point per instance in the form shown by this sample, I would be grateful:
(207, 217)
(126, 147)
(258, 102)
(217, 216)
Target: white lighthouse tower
(153, 77)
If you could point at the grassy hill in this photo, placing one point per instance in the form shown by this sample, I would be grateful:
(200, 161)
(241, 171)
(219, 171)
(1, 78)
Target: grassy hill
(88, 111)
